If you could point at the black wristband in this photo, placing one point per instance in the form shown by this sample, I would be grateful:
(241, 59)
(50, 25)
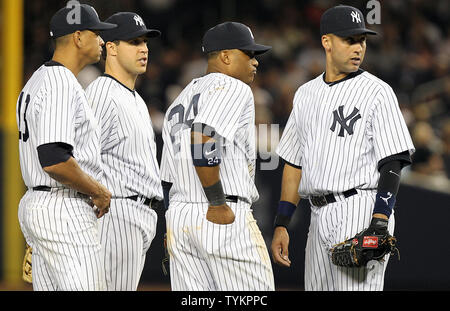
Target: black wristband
(215, 194)
(281, 221)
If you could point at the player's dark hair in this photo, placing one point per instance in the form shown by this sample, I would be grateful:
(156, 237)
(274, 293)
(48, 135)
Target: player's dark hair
(213, 54)
(60, 41)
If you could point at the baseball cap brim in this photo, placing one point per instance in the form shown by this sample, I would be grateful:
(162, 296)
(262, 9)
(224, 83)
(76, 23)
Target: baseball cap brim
(102, 26)
(352, 32)
(149, 33)
(257, 48)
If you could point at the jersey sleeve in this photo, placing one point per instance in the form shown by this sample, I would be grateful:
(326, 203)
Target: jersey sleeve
(221, 106)
(290, 144)
(105, 112)
(167, 158)
(389, 132)
(57, 112)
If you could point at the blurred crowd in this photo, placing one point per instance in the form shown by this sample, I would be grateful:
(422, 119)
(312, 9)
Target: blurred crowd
(411, 53)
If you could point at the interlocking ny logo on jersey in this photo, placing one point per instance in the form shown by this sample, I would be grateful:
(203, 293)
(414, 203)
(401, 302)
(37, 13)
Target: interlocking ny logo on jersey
(338, 115)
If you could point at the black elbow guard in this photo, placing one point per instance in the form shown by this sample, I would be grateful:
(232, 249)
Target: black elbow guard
(207, 154)
(54, 153)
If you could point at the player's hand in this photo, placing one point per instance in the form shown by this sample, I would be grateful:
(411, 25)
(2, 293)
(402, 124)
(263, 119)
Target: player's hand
(101, 200)
(221, 214)
(280, 245)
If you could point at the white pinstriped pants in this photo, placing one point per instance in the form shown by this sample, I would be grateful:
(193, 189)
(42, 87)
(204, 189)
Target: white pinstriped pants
(209, 257)
(332, 224)
(62, 229)
(126, 233)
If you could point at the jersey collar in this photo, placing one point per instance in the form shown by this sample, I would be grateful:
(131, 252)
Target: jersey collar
(109, 76)
(53, 63)
(349, 76)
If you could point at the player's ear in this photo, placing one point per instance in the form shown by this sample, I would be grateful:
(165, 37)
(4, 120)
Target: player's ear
(225, 57)
(111, 48)
(326, 43)
(77, 38)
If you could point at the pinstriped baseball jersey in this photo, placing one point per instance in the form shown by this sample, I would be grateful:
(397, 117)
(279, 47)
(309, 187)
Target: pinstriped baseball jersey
(128, 147)
(128, 152)
(52, 107)
(205, 255)
(60, 224)
(209, 100)
(338, 132)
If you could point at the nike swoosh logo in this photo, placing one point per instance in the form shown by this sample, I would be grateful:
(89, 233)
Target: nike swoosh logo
(394, 173)
(208, 153)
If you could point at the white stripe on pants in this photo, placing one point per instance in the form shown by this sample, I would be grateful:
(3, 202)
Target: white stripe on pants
(126, 233)
(332, 224)
(62, 230)
(209, 257)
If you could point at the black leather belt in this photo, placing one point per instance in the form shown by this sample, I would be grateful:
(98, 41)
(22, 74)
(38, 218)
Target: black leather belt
(231, 198)
(323, 200)
(153, 202)
(49, 189)
(235, 199)
(42, 188)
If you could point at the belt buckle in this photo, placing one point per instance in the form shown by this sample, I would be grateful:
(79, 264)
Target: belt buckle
(319, 201)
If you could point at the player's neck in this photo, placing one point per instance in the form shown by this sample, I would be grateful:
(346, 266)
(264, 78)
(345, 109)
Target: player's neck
(69, 60)
(333, 74)
(121, 75)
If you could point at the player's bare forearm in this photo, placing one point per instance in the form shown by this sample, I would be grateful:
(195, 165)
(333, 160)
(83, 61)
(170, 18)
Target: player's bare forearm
(71, 175)
(289, 184)
(289, 193)
(220, 214)
(209, 176)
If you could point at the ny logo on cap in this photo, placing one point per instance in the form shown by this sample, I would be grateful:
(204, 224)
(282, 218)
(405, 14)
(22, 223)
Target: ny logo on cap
(139, 21)
(339, 117)
(355, 17)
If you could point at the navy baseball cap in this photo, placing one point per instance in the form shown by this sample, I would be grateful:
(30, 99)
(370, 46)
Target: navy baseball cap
(343, 21)
(78, 17)
(231, 35)
(129, 26)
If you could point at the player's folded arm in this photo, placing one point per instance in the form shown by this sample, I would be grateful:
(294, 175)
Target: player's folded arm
(206, 157)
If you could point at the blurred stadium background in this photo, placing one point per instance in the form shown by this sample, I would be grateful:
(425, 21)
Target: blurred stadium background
(412, 54)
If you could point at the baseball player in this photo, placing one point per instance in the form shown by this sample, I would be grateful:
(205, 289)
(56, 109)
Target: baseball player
(344, 147)
(128, 152)
(208, 170)
(60, 161)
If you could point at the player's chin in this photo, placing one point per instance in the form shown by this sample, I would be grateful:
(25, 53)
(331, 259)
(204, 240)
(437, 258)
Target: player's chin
(251, 78)
(141, 69)
(352, 68)
(95, 59)
(354, 65)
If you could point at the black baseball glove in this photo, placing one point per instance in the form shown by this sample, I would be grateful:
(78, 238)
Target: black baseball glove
(372, 243)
